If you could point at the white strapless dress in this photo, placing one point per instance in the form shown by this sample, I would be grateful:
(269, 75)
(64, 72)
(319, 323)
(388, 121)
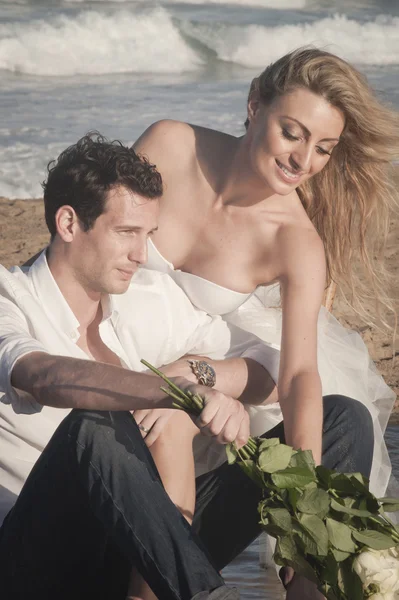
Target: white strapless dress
(344, 363)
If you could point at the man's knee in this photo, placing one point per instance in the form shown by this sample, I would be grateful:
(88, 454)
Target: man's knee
(98, 438)
(349, 415)
(89, 427)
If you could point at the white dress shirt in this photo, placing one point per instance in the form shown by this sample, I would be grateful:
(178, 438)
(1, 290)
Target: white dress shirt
(152, 320)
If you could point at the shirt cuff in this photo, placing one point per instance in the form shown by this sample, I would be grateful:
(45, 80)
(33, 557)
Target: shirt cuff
(21, 402)
(267, 356)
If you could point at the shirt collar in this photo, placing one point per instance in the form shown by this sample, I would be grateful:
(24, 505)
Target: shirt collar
(109, 307)
(54, 302)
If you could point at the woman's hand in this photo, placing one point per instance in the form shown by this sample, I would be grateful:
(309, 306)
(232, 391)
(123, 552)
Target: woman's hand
(152, 422)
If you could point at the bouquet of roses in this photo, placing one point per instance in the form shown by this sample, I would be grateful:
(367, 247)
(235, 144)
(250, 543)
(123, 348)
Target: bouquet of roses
(328, 526)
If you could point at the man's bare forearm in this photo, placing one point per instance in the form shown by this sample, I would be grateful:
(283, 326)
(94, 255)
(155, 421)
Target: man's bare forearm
(65, 382)
(241, 378)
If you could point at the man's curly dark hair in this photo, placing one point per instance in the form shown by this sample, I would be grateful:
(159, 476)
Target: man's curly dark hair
(84, 173)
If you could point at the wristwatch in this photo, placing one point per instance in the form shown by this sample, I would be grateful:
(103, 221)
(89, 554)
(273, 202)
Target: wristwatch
(203, 371)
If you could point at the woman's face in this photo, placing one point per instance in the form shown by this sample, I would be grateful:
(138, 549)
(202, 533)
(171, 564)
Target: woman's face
(292, 138)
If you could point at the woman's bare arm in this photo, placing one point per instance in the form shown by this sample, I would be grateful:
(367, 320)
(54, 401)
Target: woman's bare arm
(302, 287)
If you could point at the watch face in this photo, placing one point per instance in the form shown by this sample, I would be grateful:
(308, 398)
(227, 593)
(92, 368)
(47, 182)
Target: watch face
(207, 373)
(204, 373)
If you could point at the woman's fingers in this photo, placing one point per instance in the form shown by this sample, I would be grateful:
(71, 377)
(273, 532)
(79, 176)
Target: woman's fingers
(145, 420)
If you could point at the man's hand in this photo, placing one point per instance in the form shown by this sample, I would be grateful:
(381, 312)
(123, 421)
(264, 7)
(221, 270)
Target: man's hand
(223, 417)
(299, 587)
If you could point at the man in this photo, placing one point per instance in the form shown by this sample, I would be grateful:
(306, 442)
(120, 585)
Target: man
(94, 499)
(93, 505)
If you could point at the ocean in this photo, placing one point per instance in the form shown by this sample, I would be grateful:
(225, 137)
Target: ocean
(68, 67)
(117, 66)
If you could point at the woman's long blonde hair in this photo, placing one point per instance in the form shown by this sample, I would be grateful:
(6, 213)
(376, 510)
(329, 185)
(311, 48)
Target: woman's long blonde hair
(351, 199)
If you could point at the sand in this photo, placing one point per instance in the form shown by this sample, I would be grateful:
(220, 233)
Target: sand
(23, 233)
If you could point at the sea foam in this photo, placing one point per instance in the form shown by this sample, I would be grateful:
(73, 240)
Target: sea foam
(276, 4)
(96, 43)
(370, 43)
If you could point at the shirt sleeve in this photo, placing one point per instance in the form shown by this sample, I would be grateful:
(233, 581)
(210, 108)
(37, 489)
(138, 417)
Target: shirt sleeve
(193, 331)
(15, 342)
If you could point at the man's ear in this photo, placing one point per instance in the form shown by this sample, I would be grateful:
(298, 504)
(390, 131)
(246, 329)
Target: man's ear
(67, 223)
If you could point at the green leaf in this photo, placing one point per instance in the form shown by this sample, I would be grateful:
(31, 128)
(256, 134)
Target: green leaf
(267, 443)
(314, 501)
(329, 570)
(349, 582)
(292, 478)
(389, 504)
(286, 548)
(287, 551)
(275, 458)
(372, 504)
(349, 511)
(282, 518)
(339, 555)
(272, 529)
(361, 478)
(328, 592)
(362, 505)
(232, 454)
(340, 536)
(363, 489)
(303, 459)
(374, 539)
(340, 482)
(305, 540)
(293, 495)
(324, 475)
(311, 486)
(350, 502)
(388, 500)
(317, 530)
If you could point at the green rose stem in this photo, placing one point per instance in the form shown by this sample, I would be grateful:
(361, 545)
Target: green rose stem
(194, 404)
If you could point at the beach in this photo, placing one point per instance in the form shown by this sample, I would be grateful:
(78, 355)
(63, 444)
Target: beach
(23, 233)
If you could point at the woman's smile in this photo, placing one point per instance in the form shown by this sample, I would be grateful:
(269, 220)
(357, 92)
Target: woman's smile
(287, 173)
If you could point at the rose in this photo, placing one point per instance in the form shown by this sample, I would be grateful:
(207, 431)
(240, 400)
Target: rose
(379, 567)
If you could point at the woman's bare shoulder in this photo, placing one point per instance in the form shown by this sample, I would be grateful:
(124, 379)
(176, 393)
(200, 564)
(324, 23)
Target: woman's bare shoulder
(299, 247)
(167, 129)
(166, 141)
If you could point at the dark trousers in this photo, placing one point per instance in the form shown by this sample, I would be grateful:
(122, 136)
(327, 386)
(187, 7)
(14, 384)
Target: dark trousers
(94, 505)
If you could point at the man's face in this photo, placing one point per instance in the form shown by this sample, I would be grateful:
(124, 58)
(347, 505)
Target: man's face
(105, 258)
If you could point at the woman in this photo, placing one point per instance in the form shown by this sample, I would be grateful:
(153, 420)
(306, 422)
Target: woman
(290, 204)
